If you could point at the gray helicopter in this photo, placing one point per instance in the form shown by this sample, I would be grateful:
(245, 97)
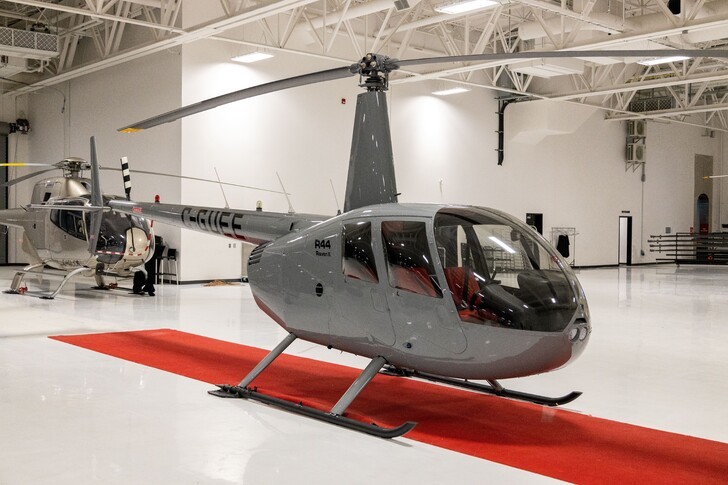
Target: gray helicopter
(65, 227)
(443, 292)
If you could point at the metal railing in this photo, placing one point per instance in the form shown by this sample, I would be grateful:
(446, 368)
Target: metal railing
(685, 247)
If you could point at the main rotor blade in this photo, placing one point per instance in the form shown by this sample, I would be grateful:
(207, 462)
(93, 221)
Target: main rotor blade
(291, 82)
(25, 177)
(26, 164)
(504, 56)
(194, 178)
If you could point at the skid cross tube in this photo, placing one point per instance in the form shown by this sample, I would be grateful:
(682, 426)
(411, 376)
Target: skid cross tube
(334, 416)
(278, 350)
(356, 387)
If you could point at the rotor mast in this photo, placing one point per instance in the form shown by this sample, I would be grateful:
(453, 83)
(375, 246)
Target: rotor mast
(371, 177)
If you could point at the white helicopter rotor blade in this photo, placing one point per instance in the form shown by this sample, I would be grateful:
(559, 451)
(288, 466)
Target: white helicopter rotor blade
(26, 177)
(146, 172)
(26, 164)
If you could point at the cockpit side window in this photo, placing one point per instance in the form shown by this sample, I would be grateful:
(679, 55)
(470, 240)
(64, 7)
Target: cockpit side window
(409, 262)
(358, 256)
(70, 222)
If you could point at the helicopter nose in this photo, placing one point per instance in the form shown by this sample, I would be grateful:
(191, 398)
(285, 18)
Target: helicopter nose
(137, 244)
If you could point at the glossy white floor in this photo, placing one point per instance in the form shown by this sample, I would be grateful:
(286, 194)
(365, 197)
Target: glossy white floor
(658, 357)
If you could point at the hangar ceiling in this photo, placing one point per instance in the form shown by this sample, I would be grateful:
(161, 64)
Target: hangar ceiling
(43, 43)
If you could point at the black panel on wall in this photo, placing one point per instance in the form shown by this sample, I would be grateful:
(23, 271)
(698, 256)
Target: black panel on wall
(3, 198)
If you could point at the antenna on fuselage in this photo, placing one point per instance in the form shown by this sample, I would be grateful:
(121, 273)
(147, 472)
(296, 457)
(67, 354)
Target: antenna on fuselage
(336, 199)
(290, 206)
(227, 206)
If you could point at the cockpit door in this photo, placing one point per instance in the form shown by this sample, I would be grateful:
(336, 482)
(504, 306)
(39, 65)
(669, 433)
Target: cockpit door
(422, 316)
(360, 294)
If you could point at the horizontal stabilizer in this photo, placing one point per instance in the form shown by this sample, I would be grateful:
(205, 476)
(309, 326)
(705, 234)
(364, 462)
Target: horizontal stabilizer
(13, 217)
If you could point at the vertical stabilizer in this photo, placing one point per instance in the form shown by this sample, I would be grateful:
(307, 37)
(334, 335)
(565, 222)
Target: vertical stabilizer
(97, 200)
(371, 165)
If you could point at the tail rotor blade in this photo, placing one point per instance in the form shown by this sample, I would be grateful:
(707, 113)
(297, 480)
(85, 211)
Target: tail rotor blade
(127, 177)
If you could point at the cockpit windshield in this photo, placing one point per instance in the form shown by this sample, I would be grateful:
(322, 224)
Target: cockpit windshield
(111, 243)
(500, 273)
(112, 236)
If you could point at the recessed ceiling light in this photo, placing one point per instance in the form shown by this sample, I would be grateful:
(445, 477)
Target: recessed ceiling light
(447, 92)
(467, 6)
(252, 57)
(662, 60)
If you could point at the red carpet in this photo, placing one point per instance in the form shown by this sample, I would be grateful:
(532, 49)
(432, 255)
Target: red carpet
(556, 443)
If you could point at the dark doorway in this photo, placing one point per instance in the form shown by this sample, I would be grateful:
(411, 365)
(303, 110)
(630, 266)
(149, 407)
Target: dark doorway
(3, 198)
(535, 220)
(702, 208)
(625, 240)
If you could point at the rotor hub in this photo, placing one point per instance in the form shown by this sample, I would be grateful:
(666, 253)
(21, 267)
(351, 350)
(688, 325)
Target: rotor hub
(73, 166)
(374, 71)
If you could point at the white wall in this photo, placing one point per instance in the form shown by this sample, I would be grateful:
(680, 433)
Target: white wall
(302, 134)
(576, 179)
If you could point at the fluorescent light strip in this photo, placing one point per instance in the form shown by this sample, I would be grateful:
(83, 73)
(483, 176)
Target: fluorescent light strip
(252, 57)
(662, 60)
(502, 244)
(448, 92)
(460, 7)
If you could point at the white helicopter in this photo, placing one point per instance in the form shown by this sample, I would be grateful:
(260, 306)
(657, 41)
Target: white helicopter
(448, 293)
(65, 227)
(59, 231)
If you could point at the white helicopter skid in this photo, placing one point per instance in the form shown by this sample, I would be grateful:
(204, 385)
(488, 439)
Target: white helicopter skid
(17, 289)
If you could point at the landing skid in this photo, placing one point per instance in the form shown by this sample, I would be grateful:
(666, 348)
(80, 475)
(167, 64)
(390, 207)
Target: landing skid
(335, 416)
(298, 408)
(16, 289)
(494, 388)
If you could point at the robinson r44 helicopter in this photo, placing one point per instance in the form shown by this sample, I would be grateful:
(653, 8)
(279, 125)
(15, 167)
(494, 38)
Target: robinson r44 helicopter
(449, 293)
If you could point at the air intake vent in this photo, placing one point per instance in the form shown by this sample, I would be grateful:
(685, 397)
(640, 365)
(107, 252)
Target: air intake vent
(651, 104)
(401, 5)
(27, 44)
(256, 254)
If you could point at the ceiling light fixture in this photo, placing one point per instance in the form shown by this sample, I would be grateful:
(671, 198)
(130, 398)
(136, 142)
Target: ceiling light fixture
(466, 6)
(448, 92)
(661, 60)
(252, 57)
